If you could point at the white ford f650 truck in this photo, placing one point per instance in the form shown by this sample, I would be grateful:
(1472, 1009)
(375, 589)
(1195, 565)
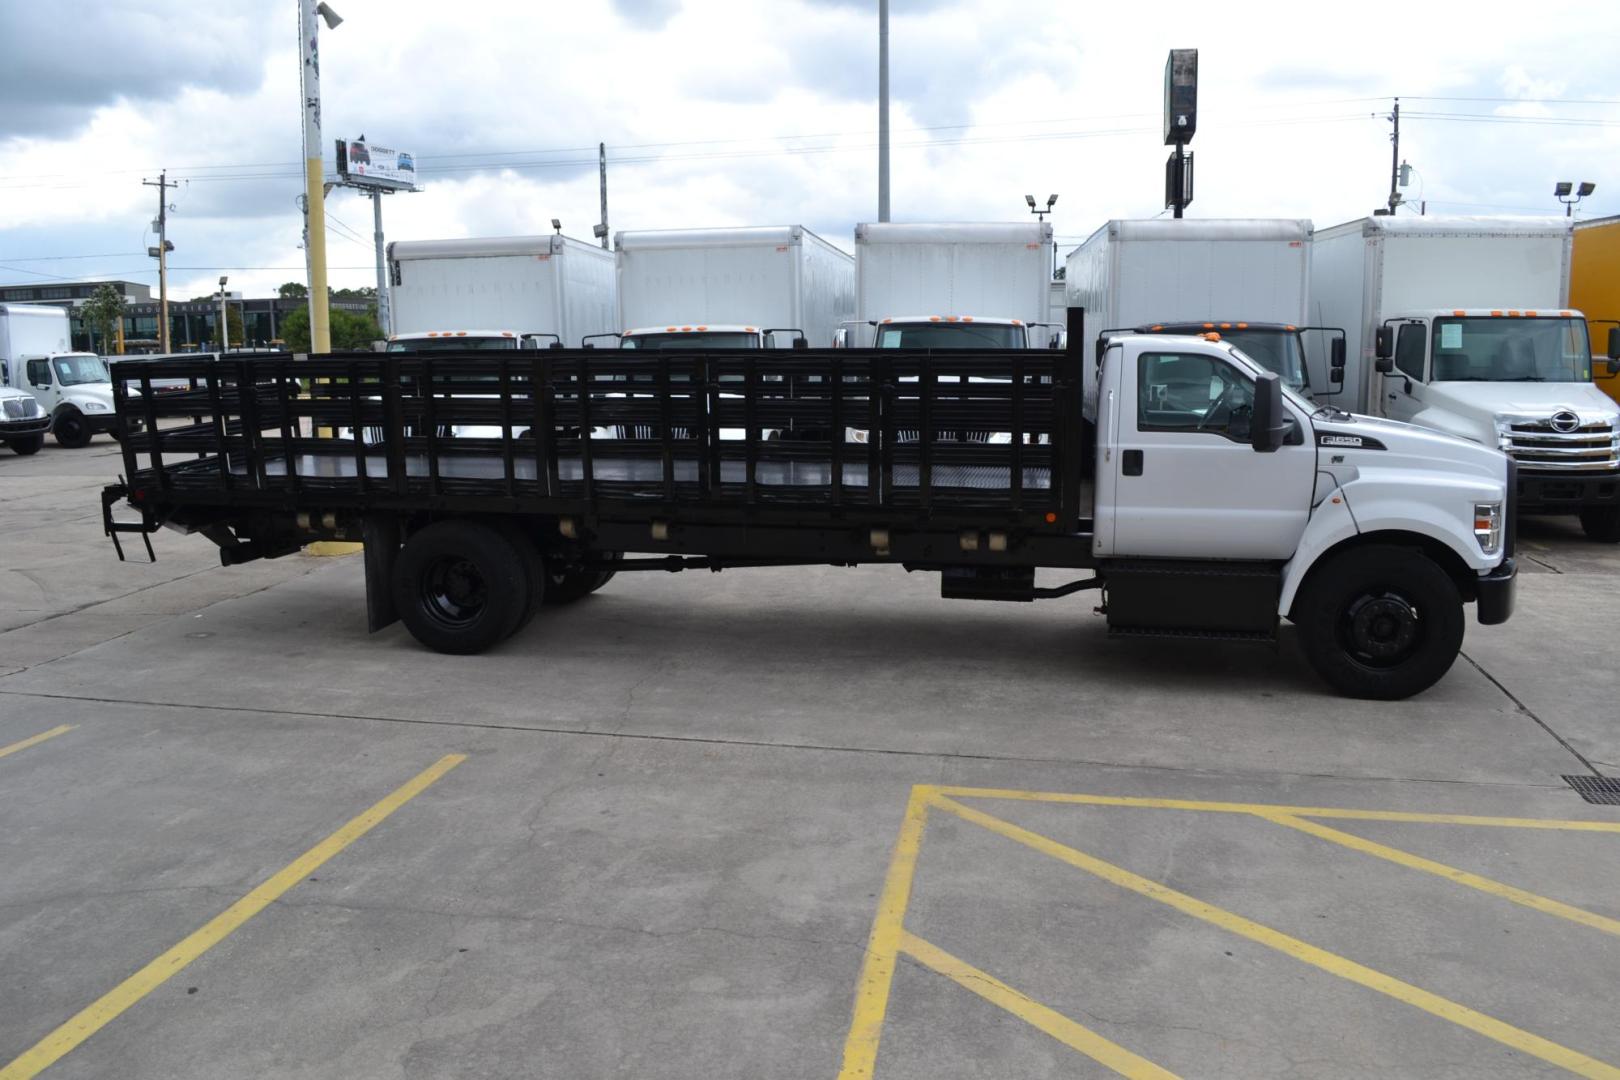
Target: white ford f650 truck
(1462, 325)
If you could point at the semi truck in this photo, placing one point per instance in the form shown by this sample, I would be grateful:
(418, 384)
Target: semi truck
(1464, 325)
(1594, 286)
(547, 286)
(1247, 279)
(73, 389)
(756, 287)
(1208, 502)
(961, 285)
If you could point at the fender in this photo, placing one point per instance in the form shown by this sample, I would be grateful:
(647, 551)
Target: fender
(1370, 505)
(1438, 418)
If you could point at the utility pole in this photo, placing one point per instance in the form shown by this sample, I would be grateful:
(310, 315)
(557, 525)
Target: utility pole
(601, 165)
(162, 184)
(309, 15)
(384, 308)
(1395, 157)
(883, 110)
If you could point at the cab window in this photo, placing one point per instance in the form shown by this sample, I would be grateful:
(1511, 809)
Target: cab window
(1409, 344)
(39, 372)
(1199, 394)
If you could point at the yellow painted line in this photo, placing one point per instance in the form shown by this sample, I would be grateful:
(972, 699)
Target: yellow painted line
(1263, 809)
(1060, 1027)
(104, 1010)
(1450, 873)
(34, 740)
(1332, 963)
(883, 947)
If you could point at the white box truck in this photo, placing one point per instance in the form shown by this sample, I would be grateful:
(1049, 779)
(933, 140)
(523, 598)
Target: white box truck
(1247, 279)
(498, 292)
(1462, 324)
(730, 288)
(73, 389)
(963, 285)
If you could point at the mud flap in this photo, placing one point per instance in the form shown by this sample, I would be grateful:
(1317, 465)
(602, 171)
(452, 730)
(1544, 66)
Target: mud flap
(380, 535)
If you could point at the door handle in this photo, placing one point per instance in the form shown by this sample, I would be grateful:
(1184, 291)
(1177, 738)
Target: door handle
(1130, 463)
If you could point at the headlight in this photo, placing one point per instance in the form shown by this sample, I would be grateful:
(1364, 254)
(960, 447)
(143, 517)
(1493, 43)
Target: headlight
(94, 406)
(1488, 527)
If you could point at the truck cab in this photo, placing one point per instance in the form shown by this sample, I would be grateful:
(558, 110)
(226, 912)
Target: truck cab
(23, 423)
(959, 332)
(456, 340)
(1277, 347)
(699, 336)
(1519, 380)
(74, 389)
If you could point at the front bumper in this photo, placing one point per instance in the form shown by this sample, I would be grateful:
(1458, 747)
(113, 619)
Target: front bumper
(24, 429)
(100, 423)
(1561, 492)
(1496, 592)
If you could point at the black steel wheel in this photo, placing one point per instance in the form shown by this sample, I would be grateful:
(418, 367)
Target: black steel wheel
(33, 444)
(1380, 621)
(460, 586)
(70, 429)
(534, 567)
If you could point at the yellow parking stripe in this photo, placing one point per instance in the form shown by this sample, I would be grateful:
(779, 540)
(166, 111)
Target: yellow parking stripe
(1263, 809)
(1445, 1009)
(34, 740)
(107, 1008)
(1055, 1024)
(882, 948)
(1451, 873)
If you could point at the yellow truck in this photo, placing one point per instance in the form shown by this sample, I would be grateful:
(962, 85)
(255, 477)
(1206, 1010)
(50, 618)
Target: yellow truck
(1594, 287)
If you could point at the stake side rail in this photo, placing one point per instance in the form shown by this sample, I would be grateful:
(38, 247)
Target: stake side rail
(920, 442)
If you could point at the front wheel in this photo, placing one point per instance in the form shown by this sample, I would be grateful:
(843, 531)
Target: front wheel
(460, 586)
(1380, 622)
(33, 444)
(70, 429)
(1602, 523)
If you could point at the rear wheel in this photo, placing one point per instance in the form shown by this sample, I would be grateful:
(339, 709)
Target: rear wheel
(460, 586)
(33, 444)
(1380, 622)
(1602, 523)
(565, 584)
(70, 429)
(534, 568)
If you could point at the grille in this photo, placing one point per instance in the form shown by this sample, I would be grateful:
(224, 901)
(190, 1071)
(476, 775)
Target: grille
(19, 408)
(1591, 447)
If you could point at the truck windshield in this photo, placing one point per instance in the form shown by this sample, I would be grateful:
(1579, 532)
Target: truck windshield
(714, 339)
(1497, 349)
(953, 335)
(79, 370)
(1275, 350)
(442, 344)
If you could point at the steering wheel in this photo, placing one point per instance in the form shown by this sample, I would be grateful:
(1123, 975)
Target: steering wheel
(1217, 407)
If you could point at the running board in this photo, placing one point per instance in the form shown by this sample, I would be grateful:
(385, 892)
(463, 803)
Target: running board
(1225, 601)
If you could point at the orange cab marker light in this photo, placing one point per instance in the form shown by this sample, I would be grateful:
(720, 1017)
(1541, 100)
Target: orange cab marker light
(1513, 314)
(967, 318)
(506, 333)
(750, 329)
(1497, 312)
(1226, 326)
(1156, 327)
(703, 328)
(1051, 518)
(461, 333)
(1212, 336)
(1565, 314)
(1530, 314)
(684, 329)
(1209, 326)
(886, 321)
(1243, 326)
(1018, 322)
(1290, 327)
(950, 318)
(1459, 311)
(933, 318)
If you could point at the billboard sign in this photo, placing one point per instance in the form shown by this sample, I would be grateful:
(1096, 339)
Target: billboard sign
(366, 165)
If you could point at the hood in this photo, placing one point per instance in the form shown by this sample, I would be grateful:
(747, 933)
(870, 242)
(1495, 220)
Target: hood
(1367, 442)
(1526, 401)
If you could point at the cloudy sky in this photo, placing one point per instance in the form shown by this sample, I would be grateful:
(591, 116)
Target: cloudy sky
(723, 113)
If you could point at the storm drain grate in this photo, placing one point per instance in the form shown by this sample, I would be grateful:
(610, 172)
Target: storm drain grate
(1603, 790)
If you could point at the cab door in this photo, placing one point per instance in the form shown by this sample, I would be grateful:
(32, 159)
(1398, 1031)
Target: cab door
(41, 382)
(1187, 483)
(1402, 389)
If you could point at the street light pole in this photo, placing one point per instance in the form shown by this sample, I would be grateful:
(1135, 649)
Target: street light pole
(310, 12)
(224, 320)
(883, 110)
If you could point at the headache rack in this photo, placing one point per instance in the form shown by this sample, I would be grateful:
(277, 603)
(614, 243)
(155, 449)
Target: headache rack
(946, 438)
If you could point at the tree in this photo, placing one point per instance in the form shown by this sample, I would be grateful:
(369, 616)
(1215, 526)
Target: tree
(293, 290)
(104, 308)
(348, 330)
(364, 292)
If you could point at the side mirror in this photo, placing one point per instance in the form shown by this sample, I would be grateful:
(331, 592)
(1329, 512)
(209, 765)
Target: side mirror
(1384, 365)
(1269, 424)
(1614, 344)
(1613, 365)
(1384, 347)
(1336, 361)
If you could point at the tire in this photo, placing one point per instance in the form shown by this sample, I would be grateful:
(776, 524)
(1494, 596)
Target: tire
(534, 567)
(460, 586)
(33, 444)
(70, 429)
(1380, 622)
(565, 585)
(1602, 523)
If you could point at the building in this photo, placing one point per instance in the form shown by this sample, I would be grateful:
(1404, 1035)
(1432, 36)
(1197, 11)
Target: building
(192, 324)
